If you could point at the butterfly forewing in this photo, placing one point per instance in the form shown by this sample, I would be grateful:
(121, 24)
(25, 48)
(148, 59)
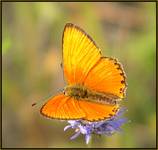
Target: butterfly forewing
(80, 54)
(62, 107)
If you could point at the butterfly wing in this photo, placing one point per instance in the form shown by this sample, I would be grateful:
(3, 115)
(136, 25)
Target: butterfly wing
(67, 108)
(83, 64)
(80, 54)
(62, 107)
(107, 76)
(96, 111)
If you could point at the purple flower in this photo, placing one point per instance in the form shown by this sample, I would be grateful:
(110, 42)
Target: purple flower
(106, 127)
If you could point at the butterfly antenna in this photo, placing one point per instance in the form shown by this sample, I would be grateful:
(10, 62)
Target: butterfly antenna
(33, 104)
(61, 65)
(47, 97)
(61, 90)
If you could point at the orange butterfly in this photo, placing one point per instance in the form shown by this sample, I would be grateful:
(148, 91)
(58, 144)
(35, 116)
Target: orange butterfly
(95, 83)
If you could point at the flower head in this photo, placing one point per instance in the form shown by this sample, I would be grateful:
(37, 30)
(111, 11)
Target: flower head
(106, 127)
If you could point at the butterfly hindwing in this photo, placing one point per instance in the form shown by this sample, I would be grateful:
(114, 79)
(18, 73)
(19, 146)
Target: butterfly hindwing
(107, 76)
(96, 111)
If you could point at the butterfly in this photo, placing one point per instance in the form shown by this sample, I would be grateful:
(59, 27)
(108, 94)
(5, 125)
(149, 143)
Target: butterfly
(96, 84)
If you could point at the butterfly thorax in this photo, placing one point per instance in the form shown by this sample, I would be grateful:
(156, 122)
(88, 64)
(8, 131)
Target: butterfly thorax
(80, 92)
(76, 91)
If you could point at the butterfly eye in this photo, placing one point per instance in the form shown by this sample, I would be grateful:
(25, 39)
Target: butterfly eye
(63, 91)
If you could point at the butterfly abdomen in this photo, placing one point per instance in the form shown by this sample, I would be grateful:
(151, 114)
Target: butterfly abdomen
(101, 98)
(80, 92)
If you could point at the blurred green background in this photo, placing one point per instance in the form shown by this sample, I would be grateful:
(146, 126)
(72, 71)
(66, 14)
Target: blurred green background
(31, 58)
